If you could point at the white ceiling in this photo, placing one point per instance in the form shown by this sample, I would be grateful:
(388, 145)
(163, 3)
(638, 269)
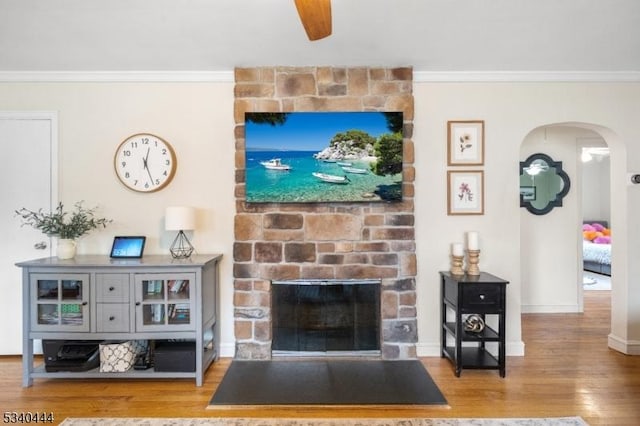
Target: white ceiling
(218, 35)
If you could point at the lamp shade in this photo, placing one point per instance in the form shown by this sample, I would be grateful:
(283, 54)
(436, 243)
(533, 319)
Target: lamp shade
(180, 218)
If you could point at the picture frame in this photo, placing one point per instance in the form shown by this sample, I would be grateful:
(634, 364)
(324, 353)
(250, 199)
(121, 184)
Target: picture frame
(465, 143)
(465, 192)
(528, 193)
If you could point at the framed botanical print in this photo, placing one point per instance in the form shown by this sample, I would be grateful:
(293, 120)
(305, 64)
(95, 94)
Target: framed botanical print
(465, 192)
(465, 143)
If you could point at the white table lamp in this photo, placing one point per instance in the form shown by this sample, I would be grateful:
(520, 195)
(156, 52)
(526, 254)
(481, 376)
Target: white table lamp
(180, 219)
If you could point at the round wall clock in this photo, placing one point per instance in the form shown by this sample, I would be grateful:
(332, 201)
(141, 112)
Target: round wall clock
(145, 162)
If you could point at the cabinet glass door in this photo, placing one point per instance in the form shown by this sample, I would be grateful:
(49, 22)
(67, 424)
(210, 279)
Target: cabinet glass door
(153, 296)
(164, 301)
(60, 302)
(179, 308)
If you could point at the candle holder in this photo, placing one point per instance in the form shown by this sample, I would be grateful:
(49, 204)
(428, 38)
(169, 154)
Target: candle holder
(474, 259)
(456, 265)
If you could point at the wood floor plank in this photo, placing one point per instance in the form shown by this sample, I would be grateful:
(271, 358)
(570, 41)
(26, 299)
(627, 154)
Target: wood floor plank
(568, 370)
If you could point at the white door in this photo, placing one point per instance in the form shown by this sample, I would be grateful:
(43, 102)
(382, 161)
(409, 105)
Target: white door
(27, 174)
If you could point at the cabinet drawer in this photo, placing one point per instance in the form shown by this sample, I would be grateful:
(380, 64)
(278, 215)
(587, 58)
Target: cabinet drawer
(112, 288)
(112, 317)
(481, 298)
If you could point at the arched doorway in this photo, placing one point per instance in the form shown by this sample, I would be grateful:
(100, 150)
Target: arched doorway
(550, 245)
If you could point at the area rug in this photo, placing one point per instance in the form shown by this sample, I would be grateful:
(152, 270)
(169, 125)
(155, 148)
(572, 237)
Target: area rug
(327, 382)
(554, 421)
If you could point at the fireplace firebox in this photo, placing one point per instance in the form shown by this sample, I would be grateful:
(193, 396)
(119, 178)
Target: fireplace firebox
(326, 317)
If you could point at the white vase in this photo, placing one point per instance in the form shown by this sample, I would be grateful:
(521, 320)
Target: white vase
(66, 248)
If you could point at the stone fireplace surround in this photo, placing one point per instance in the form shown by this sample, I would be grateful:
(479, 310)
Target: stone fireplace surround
(283, 241)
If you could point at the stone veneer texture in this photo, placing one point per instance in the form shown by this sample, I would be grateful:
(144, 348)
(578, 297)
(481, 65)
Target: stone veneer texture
(283, 241)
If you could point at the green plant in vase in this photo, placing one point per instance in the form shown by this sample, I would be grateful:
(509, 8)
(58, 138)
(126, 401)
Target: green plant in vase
(67, 226)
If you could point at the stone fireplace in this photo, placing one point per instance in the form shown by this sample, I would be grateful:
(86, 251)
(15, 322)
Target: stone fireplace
(324, 241)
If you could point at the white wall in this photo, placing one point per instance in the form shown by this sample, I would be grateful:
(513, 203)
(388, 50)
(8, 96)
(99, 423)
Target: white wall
(511, 111)
(197, 118)
(596, 189)
(551, 276)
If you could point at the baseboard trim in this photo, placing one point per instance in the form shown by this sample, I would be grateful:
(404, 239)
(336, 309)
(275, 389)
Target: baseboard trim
(428, 349)
(227, 350)
(432, 349)
(550, 309)
(627, 347)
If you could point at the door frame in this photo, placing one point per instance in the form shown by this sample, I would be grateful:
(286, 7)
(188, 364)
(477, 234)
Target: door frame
(52, 118)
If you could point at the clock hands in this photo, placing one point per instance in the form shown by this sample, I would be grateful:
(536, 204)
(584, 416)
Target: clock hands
(145, 165)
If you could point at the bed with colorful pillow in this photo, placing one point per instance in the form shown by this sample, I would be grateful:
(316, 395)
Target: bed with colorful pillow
(596, 246)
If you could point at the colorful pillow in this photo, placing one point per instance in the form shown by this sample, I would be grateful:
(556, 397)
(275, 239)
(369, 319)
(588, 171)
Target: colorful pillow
(593, 231)
(602, 240)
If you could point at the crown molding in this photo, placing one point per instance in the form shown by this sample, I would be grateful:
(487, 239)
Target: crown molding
(228, 76)
(117, 76)
(526, 76)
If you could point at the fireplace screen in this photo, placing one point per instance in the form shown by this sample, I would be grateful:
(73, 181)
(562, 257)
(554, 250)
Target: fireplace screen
(326, 316)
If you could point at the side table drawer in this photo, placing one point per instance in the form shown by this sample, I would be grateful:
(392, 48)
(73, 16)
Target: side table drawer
(112, 288)
(112, 317)
(481, 297)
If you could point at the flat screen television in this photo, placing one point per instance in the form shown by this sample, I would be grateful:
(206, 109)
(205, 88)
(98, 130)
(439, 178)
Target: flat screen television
(310, 157)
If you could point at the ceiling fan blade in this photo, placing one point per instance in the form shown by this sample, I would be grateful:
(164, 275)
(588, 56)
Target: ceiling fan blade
(316, 17)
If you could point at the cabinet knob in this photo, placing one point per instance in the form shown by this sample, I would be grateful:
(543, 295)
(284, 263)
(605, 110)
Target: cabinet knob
(137, 303)
(112, 288)
(85, 303)
(111, 318)
(482, 297)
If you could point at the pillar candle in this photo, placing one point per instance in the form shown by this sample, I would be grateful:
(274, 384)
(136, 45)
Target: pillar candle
(472, 241)
(456, 249)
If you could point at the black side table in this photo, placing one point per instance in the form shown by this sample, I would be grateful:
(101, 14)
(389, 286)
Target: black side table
(462, 295)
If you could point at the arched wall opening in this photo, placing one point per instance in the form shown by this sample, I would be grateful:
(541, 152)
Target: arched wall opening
(551, 244)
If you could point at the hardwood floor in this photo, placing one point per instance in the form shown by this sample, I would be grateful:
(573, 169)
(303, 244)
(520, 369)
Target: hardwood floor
(567, 371)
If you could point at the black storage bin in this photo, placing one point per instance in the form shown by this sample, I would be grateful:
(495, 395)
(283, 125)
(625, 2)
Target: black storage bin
(175, 356)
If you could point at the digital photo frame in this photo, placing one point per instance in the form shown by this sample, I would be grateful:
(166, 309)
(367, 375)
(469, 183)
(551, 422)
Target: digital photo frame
(127, 247)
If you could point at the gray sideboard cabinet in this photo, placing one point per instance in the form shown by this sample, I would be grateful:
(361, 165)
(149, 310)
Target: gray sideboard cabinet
(95, 298)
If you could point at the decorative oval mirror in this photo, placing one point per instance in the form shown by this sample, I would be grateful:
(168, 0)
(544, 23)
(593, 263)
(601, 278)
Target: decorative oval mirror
(543, 184)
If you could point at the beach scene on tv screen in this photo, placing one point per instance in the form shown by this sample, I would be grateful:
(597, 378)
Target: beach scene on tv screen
(306, 157)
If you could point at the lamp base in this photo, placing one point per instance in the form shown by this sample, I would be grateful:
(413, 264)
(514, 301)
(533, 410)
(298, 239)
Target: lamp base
(181, 248)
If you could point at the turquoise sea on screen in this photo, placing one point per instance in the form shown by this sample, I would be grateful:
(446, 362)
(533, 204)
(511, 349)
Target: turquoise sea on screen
(298, 185)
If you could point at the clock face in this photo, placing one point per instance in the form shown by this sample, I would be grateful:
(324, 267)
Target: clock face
(145, 162)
